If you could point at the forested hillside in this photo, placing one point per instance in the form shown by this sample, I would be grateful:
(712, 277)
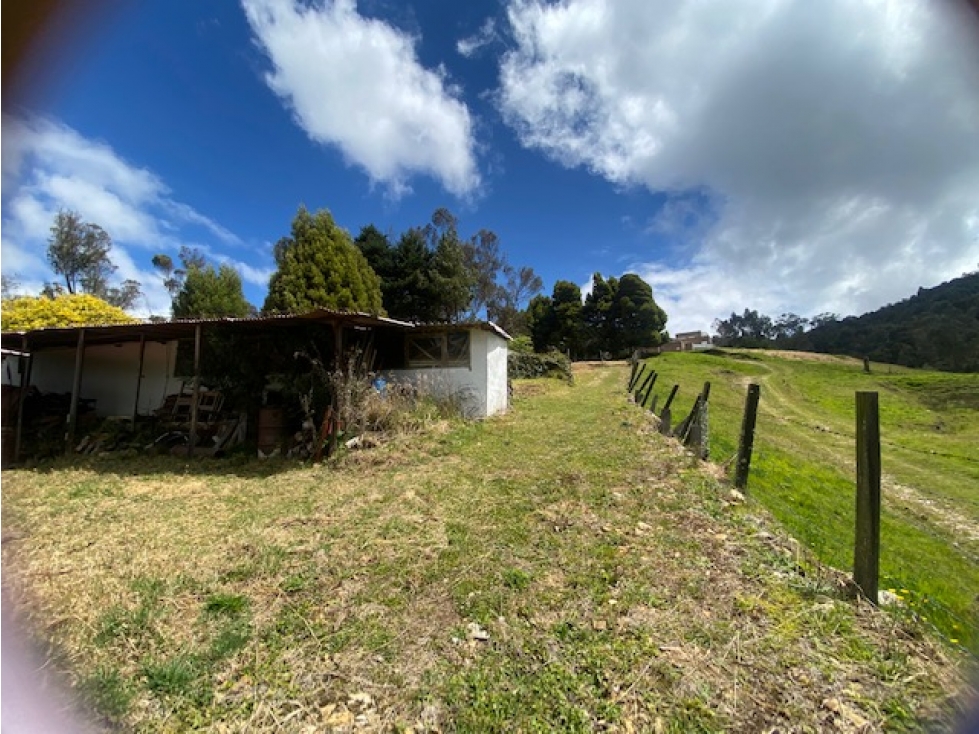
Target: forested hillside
(937, 327)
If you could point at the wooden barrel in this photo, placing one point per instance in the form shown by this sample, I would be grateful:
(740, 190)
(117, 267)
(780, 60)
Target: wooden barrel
(271, 426)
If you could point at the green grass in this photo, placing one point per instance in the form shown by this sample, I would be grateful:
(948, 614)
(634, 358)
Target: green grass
(561, 568)
(802, 468)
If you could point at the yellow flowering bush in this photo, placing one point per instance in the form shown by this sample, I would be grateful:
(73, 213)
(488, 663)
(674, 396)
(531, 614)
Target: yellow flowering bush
(78, 309)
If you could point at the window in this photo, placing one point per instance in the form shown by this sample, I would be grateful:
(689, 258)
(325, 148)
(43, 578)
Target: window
(447, 349)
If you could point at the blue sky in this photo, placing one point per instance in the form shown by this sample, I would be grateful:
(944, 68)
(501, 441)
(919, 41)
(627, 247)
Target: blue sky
(779, 155)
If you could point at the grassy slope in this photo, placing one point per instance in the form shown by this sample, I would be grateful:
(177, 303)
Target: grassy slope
(616, 587)
(803, 464)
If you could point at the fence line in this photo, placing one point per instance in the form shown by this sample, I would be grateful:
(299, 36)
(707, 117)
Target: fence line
(693, 432)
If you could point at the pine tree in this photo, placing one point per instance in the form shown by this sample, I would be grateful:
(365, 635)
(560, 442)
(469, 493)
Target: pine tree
(210, 293)
(320, 267)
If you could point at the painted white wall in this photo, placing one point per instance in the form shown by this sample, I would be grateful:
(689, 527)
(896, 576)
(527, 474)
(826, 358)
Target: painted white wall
(497, 394)
(109, 375)
(482, 386)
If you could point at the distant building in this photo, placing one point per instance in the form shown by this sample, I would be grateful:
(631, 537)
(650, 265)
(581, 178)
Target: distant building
(687, 341)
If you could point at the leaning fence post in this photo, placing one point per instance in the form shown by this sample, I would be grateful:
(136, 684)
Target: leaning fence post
(703, 424)
(642, 387)
(866, 556)
(665, 417)
(747, 440)
(652, 408)
(632, 374)
(639, 374)
(649, 389)
(683, 428)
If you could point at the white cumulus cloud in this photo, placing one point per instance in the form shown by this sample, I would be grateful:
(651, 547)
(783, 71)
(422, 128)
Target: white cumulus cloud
(48, 166)
(356, 83)
(836, 142)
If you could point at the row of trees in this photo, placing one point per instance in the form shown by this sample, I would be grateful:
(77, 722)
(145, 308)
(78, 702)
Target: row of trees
(618, 316)
(756, 330)
(937, 327)
(429, 273)
(79, 253)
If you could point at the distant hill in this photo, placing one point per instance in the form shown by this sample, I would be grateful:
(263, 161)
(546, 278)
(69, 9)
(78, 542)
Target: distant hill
(938, 328)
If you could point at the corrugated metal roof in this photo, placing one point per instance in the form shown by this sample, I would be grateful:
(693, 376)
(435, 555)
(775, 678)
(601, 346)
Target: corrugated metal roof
(56, 337)
(481, 325)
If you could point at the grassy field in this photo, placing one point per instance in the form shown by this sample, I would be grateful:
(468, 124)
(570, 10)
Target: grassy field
(561, 568)
(803, 465)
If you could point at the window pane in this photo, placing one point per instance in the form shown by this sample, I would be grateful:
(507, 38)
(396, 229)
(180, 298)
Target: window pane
(424, 349)
(457, 347)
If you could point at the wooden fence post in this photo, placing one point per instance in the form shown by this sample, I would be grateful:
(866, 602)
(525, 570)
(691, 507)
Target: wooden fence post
(703, 424)
(632, 373)
(669, 399)
(649, 389)
(652, 408)
(643, 386)
(639, 374)
(665, 417)
(690, 430)
(747, 441)
(866, 556)
(683, 427)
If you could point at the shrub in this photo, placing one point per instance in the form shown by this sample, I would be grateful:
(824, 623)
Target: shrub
(79, 309)
(548, 364)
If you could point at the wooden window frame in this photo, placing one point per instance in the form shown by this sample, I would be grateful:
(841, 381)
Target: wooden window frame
(444, 360)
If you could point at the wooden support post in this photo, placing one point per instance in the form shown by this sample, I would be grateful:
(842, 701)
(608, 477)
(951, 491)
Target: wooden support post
(25, 383)
(632, 372)
(669, 400)
(139, 377)
(866, 556)
(639, 374)
(334, 401)
(652, 408)
(866, 365)
(649, 388)
(192, 438)
(747, 440)
(76, 386)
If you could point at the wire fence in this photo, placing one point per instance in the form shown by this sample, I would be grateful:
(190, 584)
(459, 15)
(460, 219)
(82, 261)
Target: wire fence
(910, 580)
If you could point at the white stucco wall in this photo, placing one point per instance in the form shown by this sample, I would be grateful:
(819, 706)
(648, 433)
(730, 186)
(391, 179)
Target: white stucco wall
(109, 375)
(482, 386)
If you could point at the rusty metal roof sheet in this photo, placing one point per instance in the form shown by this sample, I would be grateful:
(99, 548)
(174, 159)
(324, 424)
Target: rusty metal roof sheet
(67, 336)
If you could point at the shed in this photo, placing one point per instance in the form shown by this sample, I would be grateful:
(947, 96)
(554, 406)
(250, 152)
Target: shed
(127, 370)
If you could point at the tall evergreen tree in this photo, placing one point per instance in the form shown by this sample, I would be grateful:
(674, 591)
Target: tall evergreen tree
(566, 300)
(210, 293)
(639, 320)
(541, 322)
(319, 267)
(596, 315)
